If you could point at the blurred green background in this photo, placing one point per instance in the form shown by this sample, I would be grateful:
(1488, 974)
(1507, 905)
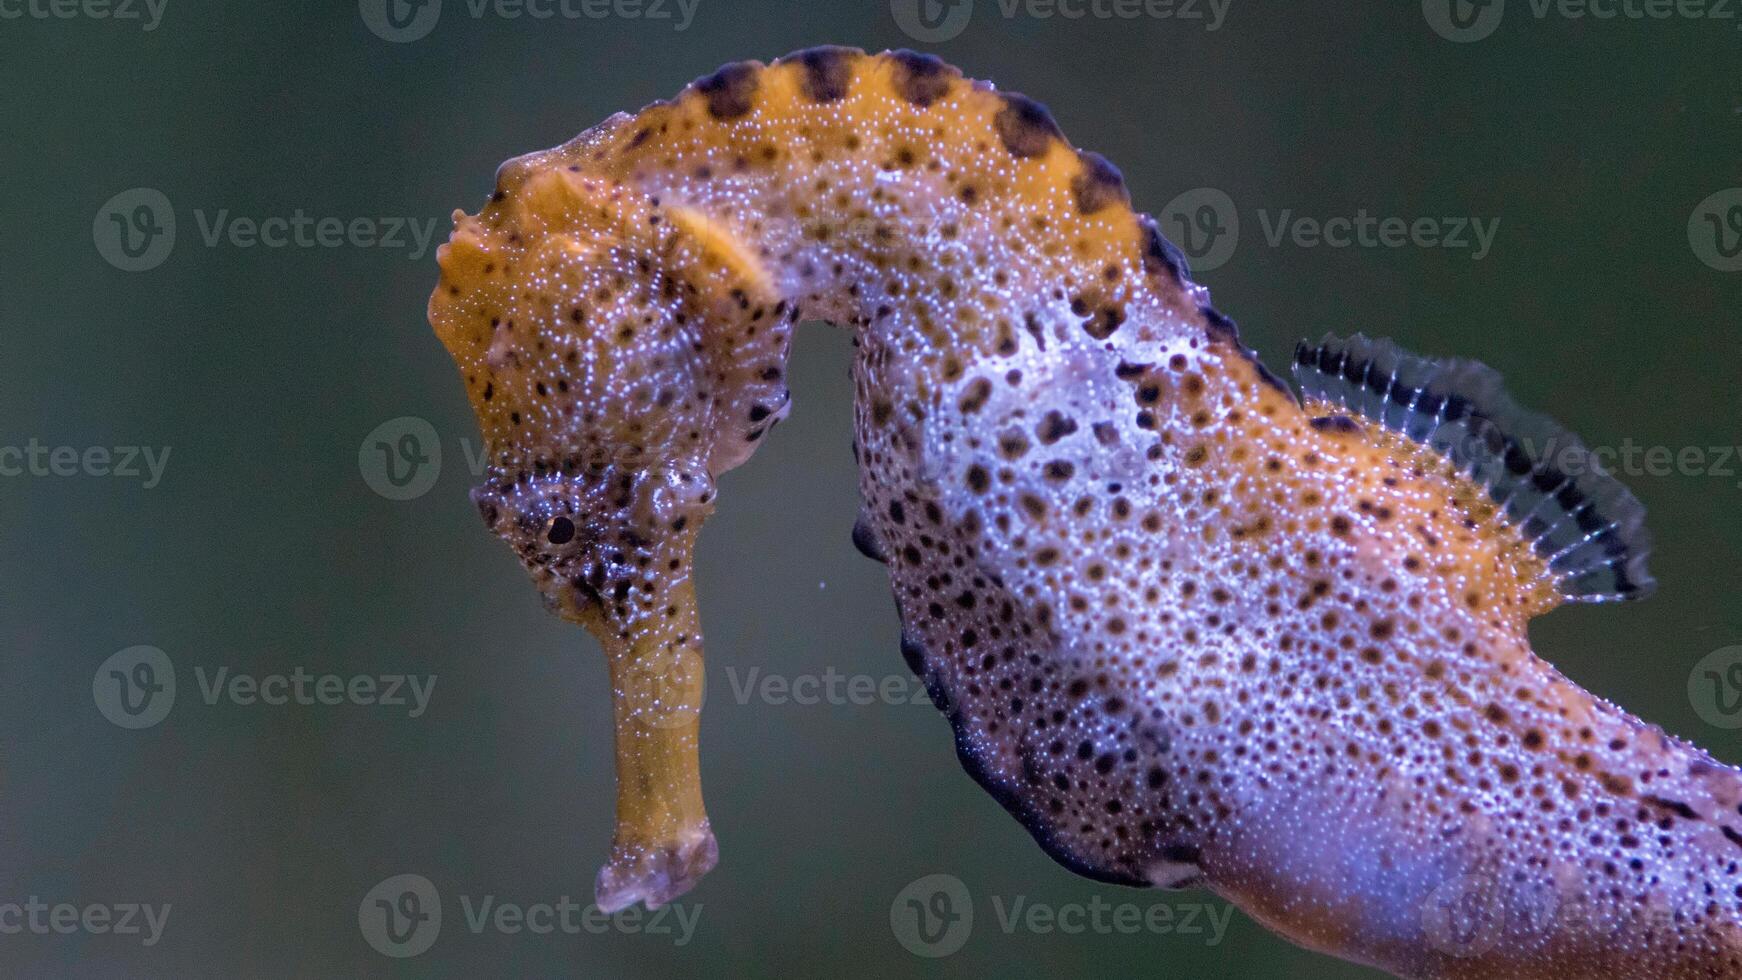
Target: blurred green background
(263, 548)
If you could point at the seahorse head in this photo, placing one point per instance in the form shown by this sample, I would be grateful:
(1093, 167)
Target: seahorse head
(617, 361)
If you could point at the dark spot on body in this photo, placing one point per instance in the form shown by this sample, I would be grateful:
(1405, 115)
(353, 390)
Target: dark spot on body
(1676, 807)
(975, 397)
(1025, 126)
(921, 78)
(866, 541)
(731, 91)
(1336, 423)
(1098, 185)
(1181, 854)
(1220, 328)
(827, 71)
(1104, 321)
(1055, 426)
(914, 654)
(1161, 256)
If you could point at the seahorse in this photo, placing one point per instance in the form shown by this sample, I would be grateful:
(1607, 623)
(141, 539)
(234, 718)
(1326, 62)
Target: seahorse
(1190, 626)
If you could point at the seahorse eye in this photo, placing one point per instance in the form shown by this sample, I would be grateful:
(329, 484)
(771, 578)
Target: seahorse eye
(562, 531)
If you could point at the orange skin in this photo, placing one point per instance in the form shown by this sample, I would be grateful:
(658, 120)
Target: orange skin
(1182, 633)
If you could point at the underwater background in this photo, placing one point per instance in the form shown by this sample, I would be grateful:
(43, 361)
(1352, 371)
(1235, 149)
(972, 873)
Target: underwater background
(236, 444)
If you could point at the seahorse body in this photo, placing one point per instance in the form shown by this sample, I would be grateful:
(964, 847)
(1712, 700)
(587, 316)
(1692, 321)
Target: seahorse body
(1187, 629)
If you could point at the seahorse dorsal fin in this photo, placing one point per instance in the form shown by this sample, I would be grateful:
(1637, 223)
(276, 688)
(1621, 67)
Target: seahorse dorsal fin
(1580, 519)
